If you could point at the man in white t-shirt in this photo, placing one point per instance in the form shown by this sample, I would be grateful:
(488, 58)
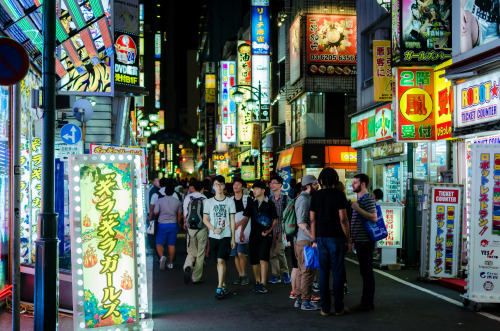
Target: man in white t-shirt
(218, 217)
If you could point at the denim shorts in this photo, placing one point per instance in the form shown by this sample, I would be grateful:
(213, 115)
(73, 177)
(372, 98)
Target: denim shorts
(167, 234)
(240, 248)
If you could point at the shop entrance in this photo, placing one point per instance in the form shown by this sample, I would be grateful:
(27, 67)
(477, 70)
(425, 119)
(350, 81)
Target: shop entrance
(390, 178)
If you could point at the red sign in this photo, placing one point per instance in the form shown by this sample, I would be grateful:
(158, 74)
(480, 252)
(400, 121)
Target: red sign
(446, 196)
(14, 61)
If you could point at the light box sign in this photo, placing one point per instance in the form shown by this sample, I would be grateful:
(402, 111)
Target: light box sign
(382, 70)
(295, 51)
(331, 44)
(383, 123)
(425, 31)
(479, 25)
(261, 73)
(109, 278)
(35, 191)
(248, 173)
(443, 103)
(396, 31)
(157, 45)
(127, 59)
(477, 100)
(244, 62)
(157, 84)
(227, 104)
(414, 104)
(260, 30)
(484, 225)
(126, 16)
(393, 217)
(363, 129)
(444, 226)
(210, 89)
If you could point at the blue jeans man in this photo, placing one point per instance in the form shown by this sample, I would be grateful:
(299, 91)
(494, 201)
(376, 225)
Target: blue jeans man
(331, 252)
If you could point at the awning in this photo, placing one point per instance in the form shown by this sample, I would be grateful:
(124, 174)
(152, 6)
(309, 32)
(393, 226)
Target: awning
(290, 157)
(341, 157)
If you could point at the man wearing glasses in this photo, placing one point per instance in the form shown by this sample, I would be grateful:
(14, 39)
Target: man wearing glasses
(218, 216)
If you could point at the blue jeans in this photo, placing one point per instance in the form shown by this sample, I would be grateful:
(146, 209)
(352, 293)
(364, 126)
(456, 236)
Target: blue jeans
(364, 250)
(331, 256)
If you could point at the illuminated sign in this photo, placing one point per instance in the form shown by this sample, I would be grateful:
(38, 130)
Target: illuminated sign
(393, 217)
(261, 73)
(260, 30)
(127, 64)
(157, 45)
(227, 104)
(443, 102)
(382, 70)
(219, 157)
(161, 119)
(383, 122)
(478, 24)
(414, 104)
(244, 63)
(157, 84)
(244, 78)
(126, 16)
(477, 100)
(35, 190)
(210, 88)
(107, 252)
(363, 129)
(248, 173)
(295, 51)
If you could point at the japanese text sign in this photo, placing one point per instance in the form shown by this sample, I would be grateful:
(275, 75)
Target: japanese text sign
(363, 129)
(227, 104)
(295, 51)
(393, 217)
(384, 125)
(443, 103)
(382, 70)
(244, 62)
(260, 30)
(444, 225)
(127, 60)
(414, 104)
(244, 78)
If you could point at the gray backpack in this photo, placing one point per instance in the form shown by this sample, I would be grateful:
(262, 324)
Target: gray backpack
(194, 218)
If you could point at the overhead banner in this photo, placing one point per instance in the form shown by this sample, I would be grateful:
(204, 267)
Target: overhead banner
(227, 104)
(414, 104)
(127, 59)
(477, 100)
(119, 150)
(444, 228)
(331, 44)
(260, 29)
(382, 70)
(443, 102)
(483, 223)
(363, 129)
(295, 51)
(244, 78)
(384, 124)
(393, 217)
(425, 32)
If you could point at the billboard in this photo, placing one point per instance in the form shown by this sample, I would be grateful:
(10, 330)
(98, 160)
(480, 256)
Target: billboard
(384, 123)
(227, 104)
(479, 23)
(126, 16)
(363, 129)
(331, 44)
(393, 218)
(382, 70)
(157, 84)
(424, 31)
(260, 30)
(413, 104)
(157, 45)
(261, 73)
(443, 102)
(295, 51)
(127, 59)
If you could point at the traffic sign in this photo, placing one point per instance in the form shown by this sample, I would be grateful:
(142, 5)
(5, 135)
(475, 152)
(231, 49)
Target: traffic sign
(71, 134)
(14, 61)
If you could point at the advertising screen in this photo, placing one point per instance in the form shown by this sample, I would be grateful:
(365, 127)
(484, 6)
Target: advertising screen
(295, 51)
(479, 23)
(227, 104)
(260, 30)
(127, 59)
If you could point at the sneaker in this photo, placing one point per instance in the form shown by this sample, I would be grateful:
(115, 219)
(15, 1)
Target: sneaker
(262, 289)
(286, 278)
(245, 280)
(346, 290)
(170, 266)
(238, 281)
(322, 313)
(343, 312)
(297, 303)
(187, 275)
(315, 298)
(163, 260)
(218, 294)
(256, 287)
(309, 306)
(293, 295)
(315, 287)
(275, 280)
(224, 290)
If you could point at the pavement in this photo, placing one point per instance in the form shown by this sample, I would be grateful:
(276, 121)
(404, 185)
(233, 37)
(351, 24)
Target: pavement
(401, 302)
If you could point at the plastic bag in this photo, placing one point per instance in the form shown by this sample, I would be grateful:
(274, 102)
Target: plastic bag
(311, 257)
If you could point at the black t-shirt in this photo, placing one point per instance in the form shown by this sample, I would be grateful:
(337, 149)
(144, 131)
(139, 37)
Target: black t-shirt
(266, 207)
(248, 211)
(327, 203)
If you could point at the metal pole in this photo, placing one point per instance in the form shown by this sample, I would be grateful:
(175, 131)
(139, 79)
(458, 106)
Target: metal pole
(411, 239)
(16, 207)
(260, 134)
(47, 252)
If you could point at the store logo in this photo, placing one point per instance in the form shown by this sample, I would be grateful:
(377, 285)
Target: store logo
(484, 243)
(488, 262)
(488, 275)
(483, 230)
(488, 286)
(490, 254)
(126, 51)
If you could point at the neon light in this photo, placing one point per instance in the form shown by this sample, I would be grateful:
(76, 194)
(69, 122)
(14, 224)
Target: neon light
(75, 13)
(13, 10)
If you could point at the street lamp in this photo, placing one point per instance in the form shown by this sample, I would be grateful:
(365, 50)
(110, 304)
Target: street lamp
(143, 123)
(253, 105)
(147, 133)
(200, 143)
(153, 117)
(194, 140)
(155, 129)
(154, 142)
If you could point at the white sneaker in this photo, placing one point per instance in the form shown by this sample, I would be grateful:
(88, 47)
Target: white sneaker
(170, 266)
(163, 260)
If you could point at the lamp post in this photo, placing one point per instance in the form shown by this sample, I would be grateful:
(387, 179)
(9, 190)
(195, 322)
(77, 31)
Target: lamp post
(251, 105)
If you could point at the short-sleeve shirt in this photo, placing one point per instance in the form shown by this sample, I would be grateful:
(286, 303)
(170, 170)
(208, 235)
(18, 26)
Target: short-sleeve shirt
(168, 208)
(240, 207)
(302, 205)
(327, 203)
(193, 195)
(218, 214)
(358, 231)
(266, 207)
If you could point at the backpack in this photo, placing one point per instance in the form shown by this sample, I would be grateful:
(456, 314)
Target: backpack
(290, 218)
(194, 218)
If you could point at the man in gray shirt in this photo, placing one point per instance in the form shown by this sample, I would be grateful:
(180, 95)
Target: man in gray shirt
(304, 276)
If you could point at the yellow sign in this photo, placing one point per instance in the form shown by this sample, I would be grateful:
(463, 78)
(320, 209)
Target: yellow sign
(218, 157)
(382, 70)
(407, 110)
(349, 156)
(210, 88)
(256, 136)
(443, 102)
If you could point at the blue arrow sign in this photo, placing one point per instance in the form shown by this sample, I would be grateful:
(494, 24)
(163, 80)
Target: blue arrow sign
(71, 134)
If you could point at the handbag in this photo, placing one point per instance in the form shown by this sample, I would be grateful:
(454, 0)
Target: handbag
(376, 231)
(152, 227)
(311, 257)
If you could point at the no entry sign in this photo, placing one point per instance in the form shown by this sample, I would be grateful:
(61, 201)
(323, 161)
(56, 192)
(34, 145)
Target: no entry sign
(14, 61)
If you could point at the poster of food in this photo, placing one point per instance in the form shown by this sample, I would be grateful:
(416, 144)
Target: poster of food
(331, 44)
(295, 51)
(484, 225)
(444, 229)
(382, 70)
(479, 21)
(414, 104)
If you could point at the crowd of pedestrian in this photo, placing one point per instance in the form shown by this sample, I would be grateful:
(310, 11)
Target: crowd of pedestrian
(224, 220)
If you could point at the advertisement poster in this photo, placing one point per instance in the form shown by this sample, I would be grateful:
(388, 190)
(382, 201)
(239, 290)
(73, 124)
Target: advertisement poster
(227, 104)
(244, 78)
(384, 123)
(393, 217)
(479, 23)
(126, 16)
(484, 224)
(260, 30)
(118, 150)
(261, 74)
(443, 102)
(425, 31)
(127, 59)
(295, 51)
(363, 129)
(382, 70)
(157, 84)
(444, 228)
(331, 44)
(285, 173)
(35, 195)
(248, 173)
(414, 104)
(477, 100)
(396, 31)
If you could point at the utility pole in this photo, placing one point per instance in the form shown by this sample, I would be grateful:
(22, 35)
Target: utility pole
(47, 244)
(411, 226)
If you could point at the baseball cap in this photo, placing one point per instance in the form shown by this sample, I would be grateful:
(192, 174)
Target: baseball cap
(308, 179)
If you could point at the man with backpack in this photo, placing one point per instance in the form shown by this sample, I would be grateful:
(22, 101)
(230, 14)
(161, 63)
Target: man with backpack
(196, 234)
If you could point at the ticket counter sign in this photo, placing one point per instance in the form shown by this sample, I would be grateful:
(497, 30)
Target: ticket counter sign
(393, 217)
(414, 104)
(444, 227)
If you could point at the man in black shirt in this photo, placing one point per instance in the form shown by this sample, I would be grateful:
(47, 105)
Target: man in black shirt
(261, 235)
(330, 227)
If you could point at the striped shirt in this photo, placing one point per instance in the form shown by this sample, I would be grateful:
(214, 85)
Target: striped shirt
(358, 232)
(280, 207)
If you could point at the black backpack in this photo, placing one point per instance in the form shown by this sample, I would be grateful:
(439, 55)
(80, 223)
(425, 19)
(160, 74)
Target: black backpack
(194, 218)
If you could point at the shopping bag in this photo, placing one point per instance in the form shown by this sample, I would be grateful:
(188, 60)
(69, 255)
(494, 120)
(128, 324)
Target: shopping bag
(376, 231)
(151, 229)
(311, 257)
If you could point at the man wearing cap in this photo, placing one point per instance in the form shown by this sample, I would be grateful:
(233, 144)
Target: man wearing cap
(304, 237)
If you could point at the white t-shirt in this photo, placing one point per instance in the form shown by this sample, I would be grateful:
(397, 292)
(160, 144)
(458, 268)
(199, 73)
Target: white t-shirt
(218, 214)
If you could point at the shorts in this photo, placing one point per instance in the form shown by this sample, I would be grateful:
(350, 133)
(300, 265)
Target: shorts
(295, 263)
(240, 248)
(259, 249)
(220, 248)
(167, 234)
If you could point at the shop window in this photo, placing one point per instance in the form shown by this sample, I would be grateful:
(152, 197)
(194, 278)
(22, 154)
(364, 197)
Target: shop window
(438, 161)
(421, 161)
(315, 103)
